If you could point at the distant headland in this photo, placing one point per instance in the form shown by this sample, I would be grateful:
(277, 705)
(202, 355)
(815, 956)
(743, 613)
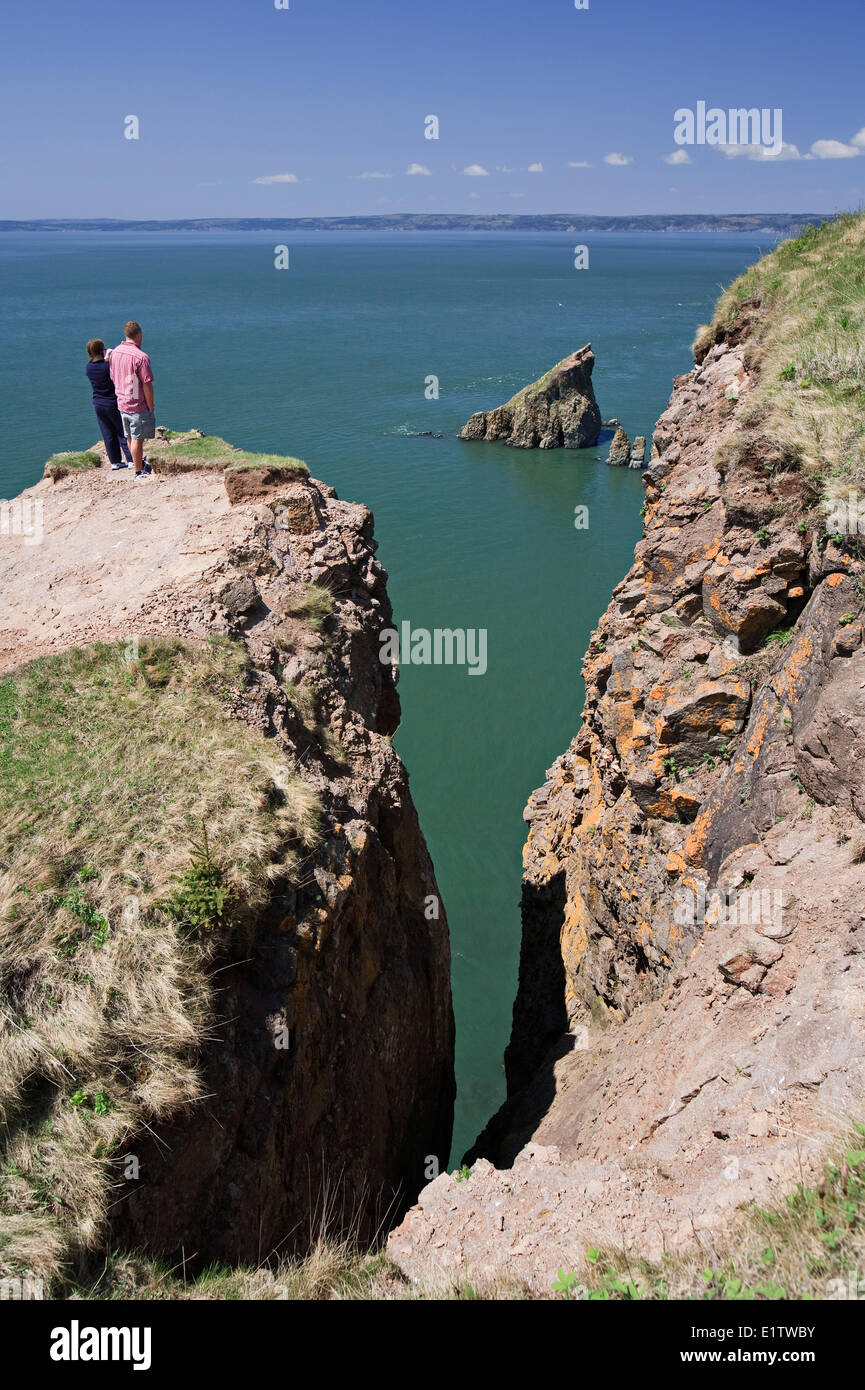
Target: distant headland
(769, 223)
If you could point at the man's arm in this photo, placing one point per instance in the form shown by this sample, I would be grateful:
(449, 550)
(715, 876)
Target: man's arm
(145, 377)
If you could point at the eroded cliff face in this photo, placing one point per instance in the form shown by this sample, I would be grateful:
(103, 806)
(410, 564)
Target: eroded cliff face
(688, 1031)
(328, 1067)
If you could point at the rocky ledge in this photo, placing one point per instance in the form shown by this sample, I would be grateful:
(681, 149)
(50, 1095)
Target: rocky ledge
(559, 411)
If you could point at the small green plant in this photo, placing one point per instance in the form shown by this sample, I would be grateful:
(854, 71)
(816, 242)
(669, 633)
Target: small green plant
(463, 1173)
(763, 533)
(801, 527)
(788, 373)
(77, 902)
(101, 1104)
(200, 899)
(670, 767)
(782, 638)
(565, 1284)
(846, 619)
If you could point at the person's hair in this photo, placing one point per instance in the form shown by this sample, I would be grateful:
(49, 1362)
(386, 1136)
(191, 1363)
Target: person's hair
(132, 329)
(95, 348)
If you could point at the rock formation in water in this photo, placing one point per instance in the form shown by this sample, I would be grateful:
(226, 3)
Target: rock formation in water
(689, 1031)
(620, 449)
(557, 412)
(638, 451)
(326, 1068)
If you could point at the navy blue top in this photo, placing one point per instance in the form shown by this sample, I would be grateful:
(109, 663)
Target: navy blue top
(103, 386)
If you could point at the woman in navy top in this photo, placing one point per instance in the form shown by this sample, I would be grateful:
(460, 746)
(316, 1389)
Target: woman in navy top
(105, 405)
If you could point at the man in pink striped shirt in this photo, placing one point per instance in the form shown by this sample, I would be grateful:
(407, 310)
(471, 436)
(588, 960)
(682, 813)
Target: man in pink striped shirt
(132, 375)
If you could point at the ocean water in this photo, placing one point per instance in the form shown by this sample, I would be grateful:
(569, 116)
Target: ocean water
(330, 360)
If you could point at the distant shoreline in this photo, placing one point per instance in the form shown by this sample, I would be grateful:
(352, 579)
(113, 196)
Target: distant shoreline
(781, 223)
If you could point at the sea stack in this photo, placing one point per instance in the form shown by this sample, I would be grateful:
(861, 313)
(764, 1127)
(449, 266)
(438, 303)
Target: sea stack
(620, 449)
(559, 411)
(638, 451)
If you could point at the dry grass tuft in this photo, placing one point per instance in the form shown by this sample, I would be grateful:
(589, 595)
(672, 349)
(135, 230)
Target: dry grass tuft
(113, 768)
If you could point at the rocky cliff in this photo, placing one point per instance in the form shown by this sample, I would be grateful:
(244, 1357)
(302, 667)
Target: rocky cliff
(559, 411)
(225, 1083)
(689, 1025)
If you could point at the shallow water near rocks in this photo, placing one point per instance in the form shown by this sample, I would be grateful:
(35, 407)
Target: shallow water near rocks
(331, 361)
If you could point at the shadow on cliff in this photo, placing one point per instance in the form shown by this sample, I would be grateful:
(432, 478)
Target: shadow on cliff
(540, 1030)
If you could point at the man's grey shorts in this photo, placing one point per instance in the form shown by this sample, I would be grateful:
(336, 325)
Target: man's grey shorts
(142, 425)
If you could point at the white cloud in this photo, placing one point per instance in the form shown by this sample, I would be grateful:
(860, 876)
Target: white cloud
(617, 159)
(762, 152)
(277, 178)
(505, 169)
(679, 156)
(373, 174)
(859, 139)
(835, 149)
(474, 195)
(536, 168)
(476, 171)
(417, 169)
(579, 164)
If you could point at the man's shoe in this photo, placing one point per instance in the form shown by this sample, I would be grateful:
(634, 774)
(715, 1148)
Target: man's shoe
(115, 467)
(145, 467)
(140, 475)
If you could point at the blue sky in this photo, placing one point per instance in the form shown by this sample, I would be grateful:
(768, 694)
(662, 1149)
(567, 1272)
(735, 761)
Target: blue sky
(562, 109)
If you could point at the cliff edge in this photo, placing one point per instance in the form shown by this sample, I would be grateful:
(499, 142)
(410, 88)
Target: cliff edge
(226, 1023)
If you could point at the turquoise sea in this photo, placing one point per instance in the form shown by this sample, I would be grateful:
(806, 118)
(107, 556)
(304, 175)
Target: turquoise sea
(329, 360)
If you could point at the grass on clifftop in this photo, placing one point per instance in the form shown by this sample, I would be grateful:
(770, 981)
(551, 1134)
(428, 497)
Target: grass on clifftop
(73, 462)
(140, 826)
(185, 452)
(803, 311)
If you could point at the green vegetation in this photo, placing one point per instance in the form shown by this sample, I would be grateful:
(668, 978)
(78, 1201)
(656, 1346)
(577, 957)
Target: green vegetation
(208, 447)
(181, 452)
(310, 603)
(803, 310)
(135, 810)
(60, 464)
